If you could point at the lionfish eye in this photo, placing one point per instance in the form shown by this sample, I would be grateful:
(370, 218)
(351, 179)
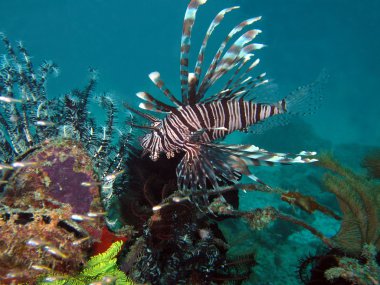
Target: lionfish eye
(156, 124)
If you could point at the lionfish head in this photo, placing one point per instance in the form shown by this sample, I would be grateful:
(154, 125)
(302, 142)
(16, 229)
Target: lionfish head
(152, 144)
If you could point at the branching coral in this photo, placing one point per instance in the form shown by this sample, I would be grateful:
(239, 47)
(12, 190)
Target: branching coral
(359, 201)
(357, 244)
(352, 270)
(372, 163)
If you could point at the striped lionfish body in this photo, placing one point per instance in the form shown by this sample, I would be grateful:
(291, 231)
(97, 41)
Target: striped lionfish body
(192, 124)
(207, 122)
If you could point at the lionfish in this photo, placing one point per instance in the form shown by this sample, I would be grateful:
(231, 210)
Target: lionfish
(194, 123)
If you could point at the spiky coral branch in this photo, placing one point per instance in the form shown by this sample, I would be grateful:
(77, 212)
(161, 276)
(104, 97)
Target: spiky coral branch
(359, 200)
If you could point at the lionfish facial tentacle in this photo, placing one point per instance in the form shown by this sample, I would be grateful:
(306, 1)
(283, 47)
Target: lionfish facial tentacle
(141, 114)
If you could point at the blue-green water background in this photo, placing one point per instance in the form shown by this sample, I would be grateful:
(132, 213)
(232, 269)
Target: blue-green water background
(126, 40)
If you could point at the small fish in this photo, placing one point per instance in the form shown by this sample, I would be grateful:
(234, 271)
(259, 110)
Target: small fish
(14, 274)
(41, 267)
(5, 166)
(158, 207)
(113, 176)
(80, 218)
(174, 199)
(22, 164)
(96, 214)
(80, 241)
(9, 99)
(44, 123)
(55, 251)
(35, 242)
(90, 184)
(53, 278)
(105, 280)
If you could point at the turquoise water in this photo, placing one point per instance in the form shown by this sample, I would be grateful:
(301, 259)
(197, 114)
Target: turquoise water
(126, 40)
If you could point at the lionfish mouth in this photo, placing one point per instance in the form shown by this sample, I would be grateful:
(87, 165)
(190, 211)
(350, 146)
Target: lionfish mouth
(154, 156)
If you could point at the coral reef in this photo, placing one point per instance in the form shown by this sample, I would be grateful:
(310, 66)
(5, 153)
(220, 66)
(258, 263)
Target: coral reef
(355, 271)
(57, 168)
(66, 182)
(354, 256)
(175, 243)
(50, 220)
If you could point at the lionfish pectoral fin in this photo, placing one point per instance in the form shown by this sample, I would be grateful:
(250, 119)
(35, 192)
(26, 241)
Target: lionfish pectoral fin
(239, 158)
(253, 156)
(206, 168)
(241, 166)
(193, 170)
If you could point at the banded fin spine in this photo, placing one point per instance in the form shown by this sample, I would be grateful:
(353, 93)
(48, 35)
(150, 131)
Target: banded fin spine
(188, 23)
(206, 83)
(198, 66)
(235, 53)
(156, 79)
(246, 59)
(210, 164)
(141, 114)
(156, 105)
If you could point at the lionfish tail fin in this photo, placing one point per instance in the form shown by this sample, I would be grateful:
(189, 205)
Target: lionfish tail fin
(307, 98)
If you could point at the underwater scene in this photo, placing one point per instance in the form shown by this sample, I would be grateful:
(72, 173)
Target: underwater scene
(189, 142)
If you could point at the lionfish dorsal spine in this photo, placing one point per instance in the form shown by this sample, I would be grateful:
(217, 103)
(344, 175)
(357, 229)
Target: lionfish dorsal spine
(234, 54)
(198, 65)
(156, 105)
(188, 23)
(205, 84)
(156, 79)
